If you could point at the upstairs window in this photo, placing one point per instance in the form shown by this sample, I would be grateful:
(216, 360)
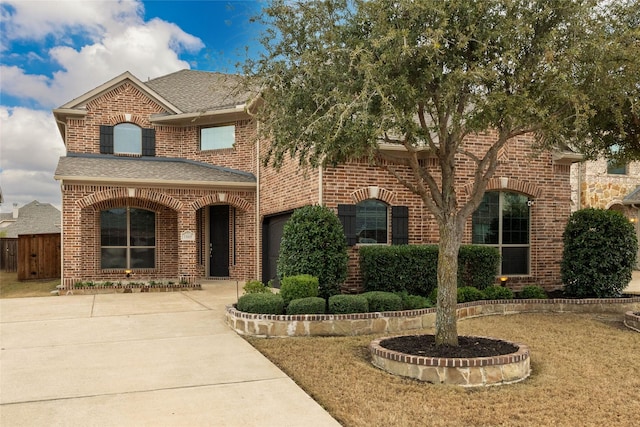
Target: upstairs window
(127, 139)
(616, 168)
(127, 238)
(502, 220)
(217, 137)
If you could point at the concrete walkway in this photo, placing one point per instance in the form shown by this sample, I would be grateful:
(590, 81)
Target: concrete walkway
(142, 359)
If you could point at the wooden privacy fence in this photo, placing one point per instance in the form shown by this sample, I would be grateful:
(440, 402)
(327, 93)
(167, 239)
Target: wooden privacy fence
(9, 254)
(38, 256)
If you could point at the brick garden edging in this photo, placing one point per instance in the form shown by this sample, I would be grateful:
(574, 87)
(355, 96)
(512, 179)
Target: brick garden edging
(466, 372)
(632, 320)
(270, 325)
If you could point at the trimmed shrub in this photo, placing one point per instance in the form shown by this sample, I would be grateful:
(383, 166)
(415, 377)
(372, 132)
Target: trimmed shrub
(413, 268)
(300, 286)
(383, 301)
(413, 302)
(477, 266)
(497, 292)
(469, 293)
(346, 304)
(310, 305)
(600, 249)
(261, 303)
(532, 292)
(313, 242)
(256, 287)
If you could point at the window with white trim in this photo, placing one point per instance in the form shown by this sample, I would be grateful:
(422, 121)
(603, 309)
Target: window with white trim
(503, 220)
(127, 238)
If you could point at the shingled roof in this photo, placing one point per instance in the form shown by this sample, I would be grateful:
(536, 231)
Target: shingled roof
(198, 91)
(34, 218)
(148, 170)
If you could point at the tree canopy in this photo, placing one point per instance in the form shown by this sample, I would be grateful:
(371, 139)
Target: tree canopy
(340, 77)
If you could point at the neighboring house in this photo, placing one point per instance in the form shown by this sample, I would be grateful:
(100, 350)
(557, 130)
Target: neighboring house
(164, 177)
(32, 218)
(606, 185)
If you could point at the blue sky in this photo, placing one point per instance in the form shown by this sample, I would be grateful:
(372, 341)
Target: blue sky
(54, 51)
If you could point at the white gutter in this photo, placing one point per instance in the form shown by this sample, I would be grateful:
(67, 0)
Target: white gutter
(192, 117)
(155, 182)
(257, 222)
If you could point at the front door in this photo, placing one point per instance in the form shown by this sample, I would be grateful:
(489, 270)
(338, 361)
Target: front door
(219, 241)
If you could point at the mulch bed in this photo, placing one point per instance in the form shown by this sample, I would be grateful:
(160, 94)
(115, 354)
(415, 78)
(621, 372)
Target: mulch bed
(468, 347)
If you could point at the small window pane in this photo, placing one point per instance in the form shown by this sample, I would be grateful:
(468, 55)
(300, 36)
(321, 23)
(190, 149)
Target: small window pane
(142, 257)
(515, 219)
(142, 227)
(486, 220)
(616, 168)
(127, 139)
(218, 137)
(113, 258)
(515, 260)
(113, 227)
(371, 221)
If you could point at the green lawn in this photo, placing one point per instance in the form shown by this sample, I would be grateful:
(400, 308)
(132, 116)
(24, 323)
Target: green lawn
(10, 287)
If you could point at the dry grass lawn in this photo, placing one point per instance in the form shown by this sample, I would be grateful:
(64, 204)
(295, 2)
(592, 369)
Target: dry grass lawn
(585, 371)
(10, 287)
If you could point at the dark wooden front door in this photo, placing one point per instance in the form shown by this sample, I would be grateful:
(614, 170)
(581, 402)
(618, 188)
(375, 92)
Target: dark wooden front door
(219, 241)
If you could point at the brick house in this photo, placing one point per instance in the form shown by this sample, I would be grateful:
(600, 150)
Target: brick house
(164, 178)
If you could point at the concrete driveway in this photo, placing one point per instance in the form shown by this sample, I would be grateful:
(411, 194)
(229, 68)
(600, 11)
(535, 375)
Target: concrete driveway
(142, 359)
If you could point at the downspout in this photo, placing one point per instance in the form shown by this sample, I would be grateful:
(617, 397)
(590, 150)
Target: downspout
(320, 198)
(579, 200)
(64, 124)
(257, 221)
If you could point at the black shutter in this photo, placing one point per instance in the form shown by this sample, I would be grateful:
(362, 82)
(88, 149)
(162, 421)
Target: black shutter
(399, 225)
(148, 142)
(347, 216)
(106, 139)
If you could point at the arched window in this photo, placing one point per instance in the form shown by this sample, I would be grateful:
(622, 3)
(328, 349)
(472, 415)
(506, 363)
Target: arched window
(127, 139)
(371, 221)
(503, 220)
(127, 238)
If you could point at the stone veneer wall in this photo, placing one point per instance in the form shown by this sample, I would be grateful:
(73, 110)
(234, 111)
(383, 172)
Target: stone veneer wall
(632, 320)
(269, 325)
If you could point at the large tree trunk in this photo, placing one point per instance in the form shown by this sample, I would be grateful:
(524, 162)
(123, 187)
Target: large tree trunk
(449, 247)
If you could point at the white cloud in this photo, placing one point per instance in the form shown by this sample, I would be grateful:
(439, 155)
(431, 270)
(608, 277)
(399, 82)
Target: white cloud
(31, 146)
(94, 42)
(120, 41)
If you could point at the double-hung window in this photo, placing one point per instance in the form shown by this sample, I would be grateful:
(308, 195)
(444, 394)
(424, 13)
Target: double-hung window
(127, 238)
(503, 220)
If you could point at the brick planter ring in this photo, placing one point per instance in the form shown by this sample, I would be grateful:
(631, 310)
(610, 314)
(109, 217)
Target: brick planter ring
(468, 372)
(632, 320)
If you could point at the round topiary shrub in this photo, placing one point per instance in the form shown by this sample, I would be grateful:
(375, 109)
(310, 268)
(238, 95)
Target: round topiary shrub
(300, 286)
(262, 303)
(310, 305)
(532, 292)
(469, 293)
(313, 242)
(600, 249)
(347, 304)
(383, 301)
(497, 292)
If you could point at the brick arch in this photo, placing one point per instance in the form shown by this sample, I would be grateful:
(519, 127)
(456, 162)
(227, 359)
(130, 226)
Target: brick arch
(373, 192)
(139, 196)
(127, 118)
(513, 184)
(221, 198)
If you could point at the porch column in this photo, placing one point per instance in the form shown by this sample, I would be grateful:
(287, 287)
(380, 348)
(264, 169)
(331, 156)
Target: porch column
(187, 249)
